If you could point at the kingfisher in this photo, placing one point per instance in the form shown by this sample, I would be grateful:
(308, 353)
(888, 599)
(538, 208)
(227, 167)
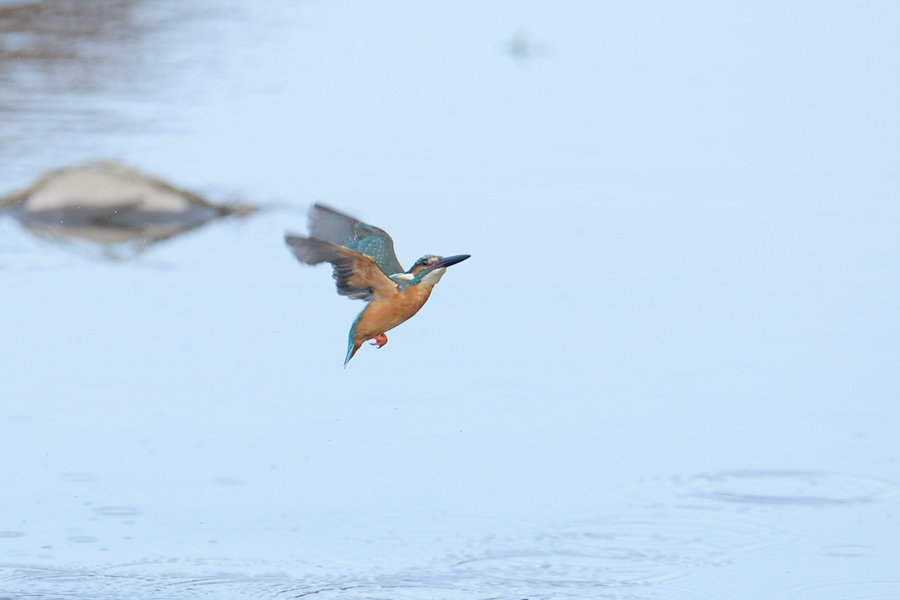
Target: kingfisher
(366, 268)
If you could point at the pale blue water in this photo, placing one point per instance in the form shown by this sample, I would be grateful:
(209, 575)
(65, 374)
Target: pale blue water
(668, 370)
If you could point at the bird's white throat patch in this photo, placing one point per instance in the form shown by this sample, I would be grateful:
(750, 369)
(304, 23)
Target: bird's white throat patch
(433, 277)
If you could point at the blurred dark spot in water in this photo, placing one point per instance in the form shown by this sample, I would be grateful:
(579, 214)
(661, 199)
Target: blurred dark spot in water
(82, 539)
(11, 534)
(79, 477)
(522, 48)
(848, 550)
(228, 481)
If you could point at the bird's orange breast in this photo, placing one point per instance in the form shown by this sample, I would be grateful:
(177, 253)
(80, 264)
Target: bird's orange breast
(385, 314)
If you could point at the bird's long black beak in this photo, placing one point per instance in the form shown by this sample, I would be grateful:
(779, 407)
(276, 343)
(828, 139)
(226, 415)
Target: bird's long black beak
(450, 261)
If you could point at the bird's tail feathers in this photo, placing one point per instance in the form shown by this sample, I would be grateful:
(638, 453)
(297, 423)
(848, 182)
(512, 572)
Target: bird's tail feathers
(351, 350)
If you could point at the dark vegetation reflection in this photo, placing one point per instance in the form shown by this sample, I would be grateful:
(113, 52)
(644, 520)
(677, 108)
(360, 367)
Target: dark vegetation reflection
(51, 51)
(71, 71)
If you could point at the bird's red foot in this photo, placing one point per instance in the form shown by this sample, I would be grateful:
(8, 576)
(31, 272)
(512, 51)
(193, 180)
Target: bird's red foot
(379, 340)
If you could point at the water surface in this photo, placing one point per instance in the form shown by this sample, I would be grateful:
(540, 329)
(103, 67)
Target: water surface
(668, 370)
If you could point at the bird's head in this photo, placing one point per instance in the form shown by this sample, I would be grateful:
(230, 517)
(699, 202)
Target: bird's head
(429, 269)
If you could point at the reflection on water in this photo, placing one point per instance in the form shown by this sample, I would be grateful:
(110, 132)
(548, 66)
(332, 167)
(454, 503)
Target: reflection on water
(118, 208)
(48, 48)
(57, 47)
(72, 72)
(58, 58)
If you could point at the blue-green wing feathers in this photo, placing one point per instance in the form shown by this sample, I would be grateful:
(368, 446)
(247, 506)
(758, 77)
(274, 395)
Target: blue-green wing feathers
(327, 224)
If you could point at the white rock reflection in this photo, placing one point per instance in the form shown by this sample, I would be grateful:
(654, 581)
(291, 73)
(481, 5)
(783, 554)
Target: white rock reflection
(119, 209)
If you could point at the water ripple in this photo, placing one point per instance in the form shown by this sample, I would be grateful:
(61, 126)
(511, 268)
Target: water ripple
(771, 487)
(200, 579)
(642, 548)
(811, 488)
(847, 590)
(117, 511)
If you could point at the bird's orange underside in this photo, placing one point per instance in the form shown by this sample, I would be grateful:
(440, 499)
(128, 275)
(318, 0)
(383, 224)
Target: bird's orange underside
(382, 315)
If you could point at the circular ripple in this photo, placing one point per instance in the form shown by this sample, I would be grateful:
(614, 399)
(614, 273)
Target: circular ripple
(117, 511)
(193, 581)
(848, 590)
(626, 550)
(395, 591)
(811, 488)
(443, 587)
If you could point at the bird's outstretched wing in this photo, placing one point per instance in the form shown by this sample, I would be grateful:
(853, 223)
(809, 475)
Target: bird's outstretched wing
(327, 224)
(358, 276)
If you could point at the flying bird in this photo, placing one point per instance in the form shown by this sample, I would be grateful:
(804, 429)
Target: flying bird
(366, 268)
